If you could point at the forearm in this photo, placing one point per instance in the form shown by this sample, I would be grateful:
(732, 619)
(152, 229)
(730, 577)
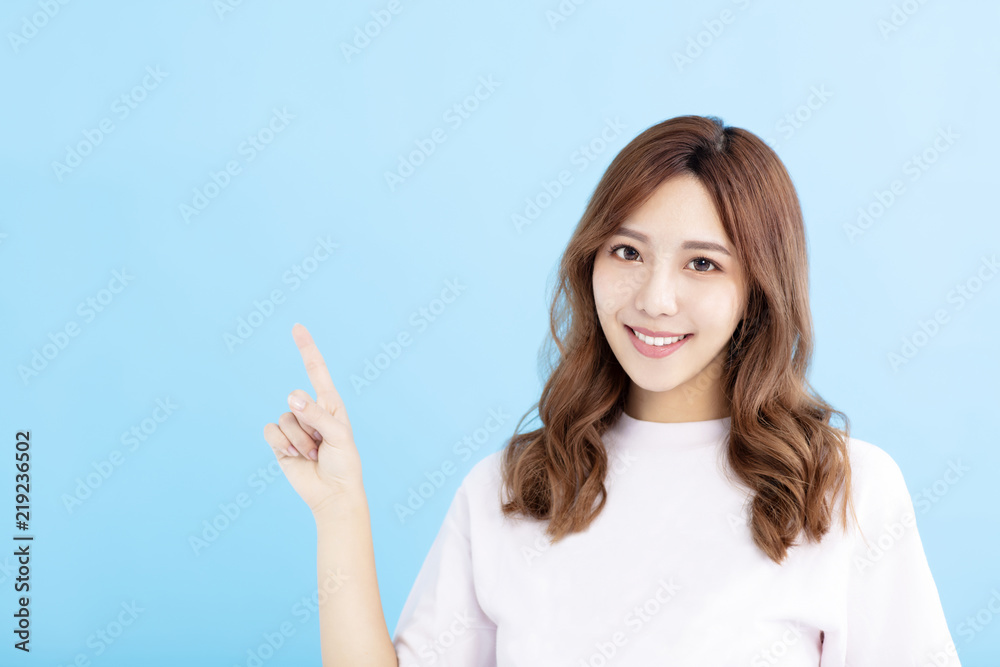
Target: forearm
(353, 632)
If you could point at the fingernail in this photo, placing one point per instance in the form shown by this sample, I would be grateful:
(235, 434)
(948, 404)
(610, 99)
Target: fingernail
(317, 436)
(313, 455)
(292, 451)
(296, 402)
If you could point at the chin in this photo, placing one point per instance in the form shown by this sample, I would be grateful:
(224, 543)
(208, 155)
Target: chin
(649, 380)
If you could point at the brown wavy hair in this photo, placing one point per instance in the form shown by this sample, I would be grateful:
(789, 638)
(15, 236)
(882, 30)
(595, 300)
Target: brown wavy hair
(782, 445)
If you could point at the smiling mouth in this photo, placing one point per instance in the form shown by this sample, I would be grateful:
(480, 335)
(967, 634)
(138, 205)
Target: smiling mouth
(658, 341)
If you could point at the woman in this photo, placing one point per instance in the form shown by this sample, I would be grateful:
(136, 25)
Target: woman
(685, 500)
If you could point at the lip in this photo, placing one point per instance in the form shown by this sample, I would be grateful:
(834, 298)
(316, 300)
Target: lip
(656, 334)
(651, 350)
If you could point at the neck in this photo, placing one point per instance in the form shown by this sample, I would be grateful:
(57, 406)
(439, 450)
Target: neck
(681, 404)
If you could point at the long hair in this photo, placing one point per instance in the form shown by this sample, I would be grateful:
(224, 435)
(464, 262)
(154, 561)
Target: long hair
(782, 445)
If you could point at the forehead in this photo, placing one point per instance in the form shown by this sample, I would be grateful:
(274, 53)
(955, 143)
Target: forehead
(680, 204)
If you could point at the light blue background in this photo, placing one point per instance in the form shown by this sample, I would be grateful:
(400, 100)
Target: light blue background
(162, 336)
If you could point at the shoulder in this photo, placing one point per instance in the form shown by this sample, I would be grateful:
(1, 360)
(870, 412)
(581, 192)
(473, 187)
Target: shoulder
(484, 472)
(878, 487)
(870, 456)
(475, 507)
(872, 467)
(479, 489)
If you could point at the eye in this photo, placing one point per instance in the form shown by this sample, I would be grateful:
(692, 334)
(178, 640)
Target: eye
(705, 259)
(701, 261)
(614, 250)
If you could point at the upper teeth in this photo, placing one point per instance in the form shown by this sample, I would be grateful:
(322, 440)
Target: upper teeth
(656, 341)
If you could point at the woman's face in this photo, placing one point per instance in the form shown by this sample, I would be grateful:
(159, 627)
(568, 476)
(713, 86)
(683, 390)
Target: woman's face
(657, 275)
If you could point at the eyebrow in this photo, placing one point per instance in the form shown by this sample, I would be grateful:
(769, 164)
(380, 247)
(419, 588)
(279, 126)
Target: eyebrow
(687, 245)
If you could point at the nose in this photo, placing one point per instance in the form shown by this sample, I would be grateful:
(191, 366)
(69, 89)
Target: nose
(656, 293)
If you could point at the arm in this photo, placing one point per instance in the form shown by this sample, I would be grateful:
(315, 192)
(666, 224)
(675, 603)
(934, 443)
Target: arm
(314, 444)
(352, 623)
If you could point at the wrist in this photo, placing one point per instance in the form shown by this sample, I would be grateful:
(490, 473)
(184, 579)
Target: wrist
(341, 504)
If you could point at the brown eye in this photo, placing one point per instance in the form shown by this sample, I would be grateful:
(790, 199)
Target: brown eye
(706, 261)
(626, 248)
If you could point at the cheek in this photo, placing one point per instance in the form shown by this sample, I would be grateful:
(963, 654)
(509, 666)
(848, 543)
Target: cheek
(615, 286)
(607, 297)
(718, 308)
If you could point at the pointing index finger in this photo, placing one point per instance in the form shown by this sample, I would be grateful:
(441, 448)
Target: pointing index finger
(316, 369)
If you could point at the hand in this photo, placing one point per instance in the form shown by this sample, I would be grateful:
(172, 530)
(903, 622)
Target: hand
(315, 444)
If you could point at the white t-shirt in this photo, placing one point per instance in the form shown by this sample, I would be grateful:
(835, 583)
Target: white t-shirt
(667, 574)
